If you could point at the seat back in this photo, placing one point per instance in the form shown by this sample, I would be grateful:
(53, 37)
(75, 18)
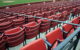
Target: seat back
(11, 31)
(31, 29)
(11, 17)
(2, 20)
(35, 45)
(31, 24)
(5, 25)
(14, 36)
(54, 35)
(67, 27)
(19, 21)
(44, 26)
(29, 19)
(39, 15)
(75, 20)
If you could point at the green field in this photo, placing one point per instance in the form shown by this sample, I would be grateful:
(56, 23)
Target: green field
(18, 2)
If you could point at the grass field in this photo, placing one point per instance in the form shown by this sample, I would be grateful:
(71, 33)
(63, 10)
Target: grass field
(13, 2)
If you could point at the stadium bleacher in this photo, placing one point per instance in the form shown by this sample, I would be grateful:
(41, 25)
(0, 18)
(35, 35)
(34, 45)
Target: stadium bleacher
(47, 24)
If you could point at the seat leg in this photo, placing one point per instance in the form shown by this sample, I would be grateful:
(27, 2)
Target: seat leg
(39, 35)
(23, 43)
(46, 32)
(24, 38)
(57, 26)
(53, 28)
(7, 46)
(49, 29)
(36, 37)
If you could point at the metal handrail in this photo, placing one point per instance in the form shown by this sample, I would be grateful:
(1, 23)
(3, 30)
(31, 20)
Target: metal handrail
(46, 18)
(65, 42)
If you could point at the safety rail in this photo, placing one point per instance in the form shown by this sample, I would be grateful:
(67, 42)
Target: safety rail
(43, 18)
(70, 42)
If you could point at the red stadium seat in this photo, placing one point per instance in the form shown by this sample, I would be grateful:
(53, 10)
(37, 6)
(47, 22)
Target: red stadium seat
(53, 24)
(59, 16)
(35, 12)
(75, 11)
(57, 42)
(79, 19)
(75, 20)
(52, 12)
(31, 29)
(30, 13)
(39, 15)
(44, 26)
(5, 25)
(53, 37)
(35, 45)
(60, 9)
(29, 19)
(2, 20)
(46, 14)
(65, 15)
(11, 17)
(67, 29)
(19, 21)
(14, 36)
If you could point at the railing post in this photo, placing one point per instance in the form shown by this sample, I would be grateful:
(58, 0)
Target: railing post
(76, 43)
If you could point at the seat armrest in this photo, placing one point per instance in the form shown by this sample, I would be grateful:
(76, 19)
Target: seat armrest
(45, 40)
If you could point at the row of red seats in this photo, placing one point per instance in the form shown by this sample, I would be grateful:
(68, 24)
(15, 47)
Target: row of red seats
(40, 7)
(15, 36)
(10, 22)
(31, 30)
(13, 21)
(18, 33)
(54, 37)
(46, 13)
(44, 24)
